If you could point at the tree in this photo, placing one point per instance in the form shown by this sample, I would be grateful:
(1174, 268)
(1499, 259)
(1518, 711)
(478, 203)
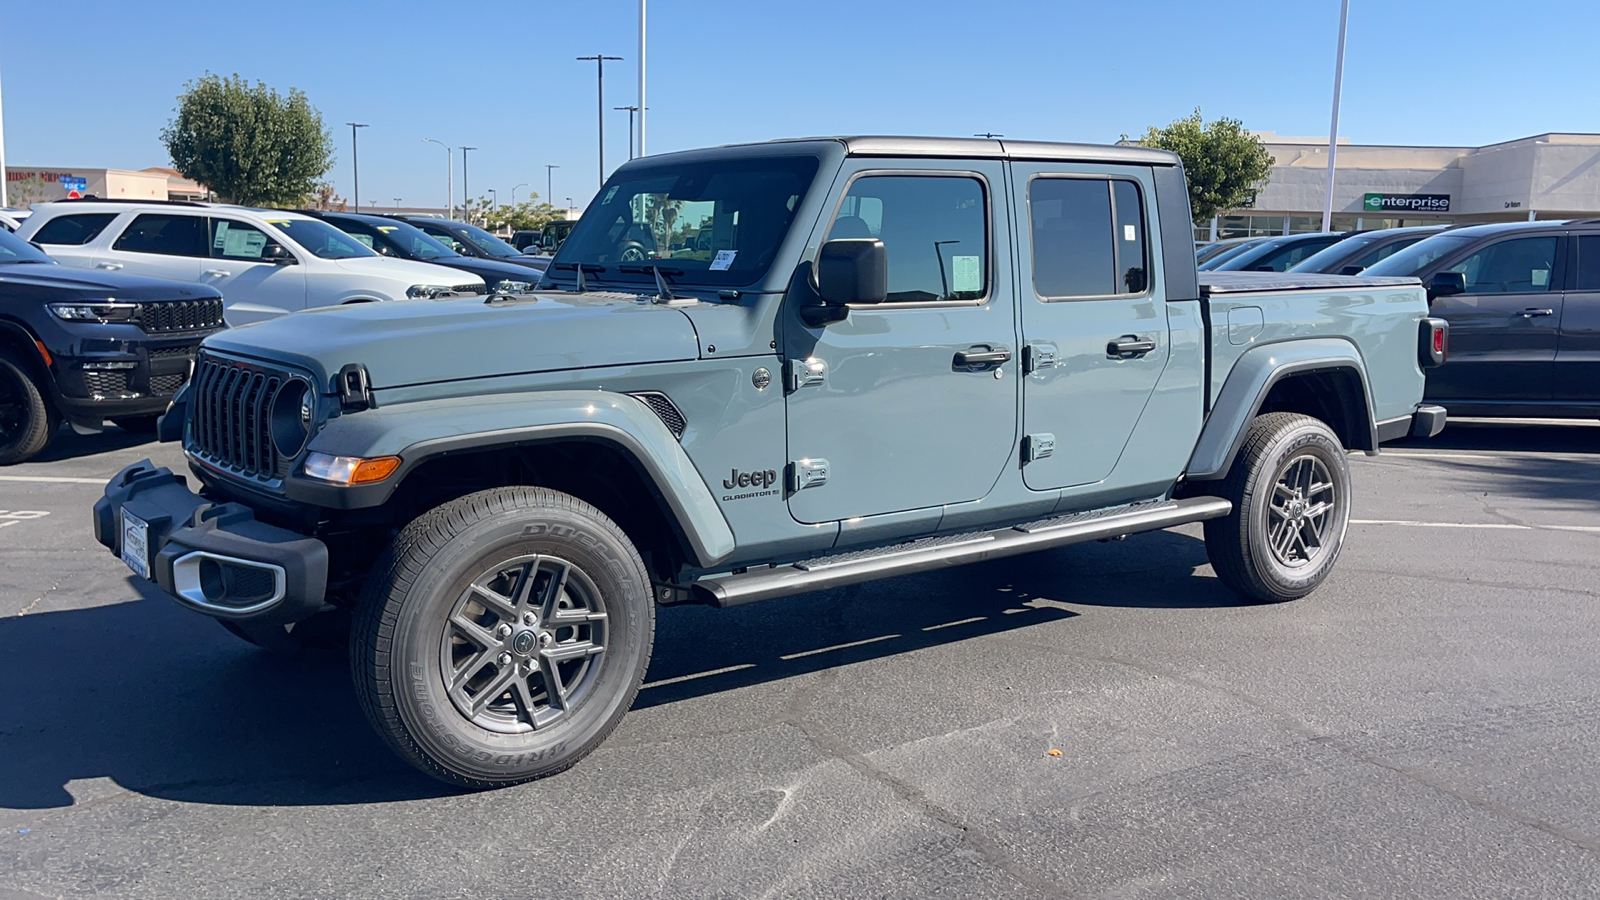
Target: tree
(249, 145)
(1225, 164)
(529, 215)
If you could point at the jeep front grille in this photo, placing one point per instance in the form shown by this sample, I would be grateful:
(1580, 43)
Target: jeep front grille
(665, 410)
(170, 316)
(228, 424)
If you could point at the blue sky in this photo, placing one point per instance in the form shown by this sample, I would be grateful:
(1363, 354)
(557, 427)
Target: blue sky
(91, 84)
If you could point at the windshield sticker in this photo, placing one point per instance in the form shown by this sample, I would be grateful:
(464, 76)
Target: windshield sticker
(1130, 233)
(609, 194)
(965, 274)
(222, 236)
(1541, 277)
(723, 260)
(388, 228)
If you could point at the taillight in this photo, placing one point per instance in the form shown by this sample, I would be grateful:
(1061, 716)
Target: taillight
(1434, 346)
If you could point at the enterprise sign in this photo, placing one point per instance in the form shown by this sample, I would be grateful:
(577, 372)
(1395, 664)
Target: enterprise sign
(1405, 203)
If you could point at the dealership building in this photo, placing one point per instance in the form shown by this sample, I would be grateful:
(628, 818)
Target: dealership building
(1547, 176)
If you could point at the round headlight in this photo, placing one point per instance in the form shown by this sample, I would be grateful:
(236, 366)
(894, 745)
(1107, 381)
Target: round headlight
(291, 418)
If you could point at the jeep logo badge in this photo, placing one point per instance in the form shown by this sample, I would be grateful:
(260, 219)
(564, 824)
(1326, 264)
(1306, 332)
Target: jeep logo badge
(756, 484)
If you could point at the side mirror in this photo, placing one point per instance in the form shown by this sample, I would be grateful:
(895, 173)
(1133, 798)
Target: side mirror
(277, 253)
(853, 270)
(1445, 284)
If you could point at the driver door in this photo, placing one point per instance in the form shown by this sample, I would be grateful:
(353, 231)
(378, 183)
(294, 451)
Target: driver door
(1504, 328)
(253, 289)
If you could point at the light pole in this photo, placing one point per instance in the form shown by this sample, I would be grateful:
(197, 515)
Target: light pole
(3, 201)
(549, 185)
(514, 194)
(449, 177)
(631, 110)
(397, 203)
(355, 161)
(494, 201)
(1333, 129)
(600, 105)
(466, 202)
(641, 79)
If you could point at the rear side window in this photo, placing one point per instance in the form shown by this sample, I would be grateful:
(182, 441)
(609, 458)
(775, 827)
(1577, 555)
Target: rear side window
(1588, 263)
(1516, 266)
(1088, 237)
(164, 233)
(74, 230)
(933, 227)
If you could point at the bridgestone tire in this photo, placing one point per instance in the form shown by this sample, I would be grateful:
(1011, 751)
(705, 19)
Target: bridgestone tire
(1281, 447)
(406, 621)
(33, 420)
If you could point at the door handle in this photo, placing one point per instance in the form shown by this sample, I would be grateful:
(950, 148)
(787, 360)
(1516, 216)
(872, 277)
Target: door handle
(218, 273)
(979, 358)
(1531, 313)
(109, 266)
(1129, 347)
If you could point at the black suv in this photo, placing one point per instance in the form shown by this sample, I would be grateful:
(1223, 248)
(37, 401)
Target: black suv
(1523, 303)
(89, 346)
(470, 240)
(402, 240)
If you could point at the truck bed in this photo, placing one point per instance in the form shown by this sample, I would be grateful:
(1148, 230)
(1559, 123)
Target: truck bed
(1215, 283)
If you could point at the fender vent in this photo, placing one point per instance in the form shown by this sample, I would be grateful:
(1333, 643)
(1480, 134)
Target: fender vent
(665, 410)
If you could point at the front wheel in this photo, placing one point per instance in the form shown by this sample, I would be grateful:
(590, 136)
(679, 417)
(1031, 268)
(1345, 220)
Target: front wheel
(1290, 487)
(27, 420)
(503, 636)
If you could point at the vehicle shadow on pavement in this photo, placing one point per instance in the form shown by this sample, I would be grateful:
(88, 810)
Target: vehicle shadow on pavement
(1568, 479)
(68, 444)
(798, 635)
(1539, 436)
(162, 702)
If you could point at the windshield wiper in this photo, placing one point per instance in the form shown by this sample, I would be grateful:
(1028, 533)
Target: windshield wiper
(663, 293)
(581, 268)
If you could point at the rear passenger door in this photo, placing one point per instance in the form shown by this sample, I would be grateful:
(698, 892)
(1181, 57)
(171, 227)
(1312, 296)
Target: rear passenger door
(1503, 329)
(1577, 371)
(162, 245)
(1094, 321)
(70, 239)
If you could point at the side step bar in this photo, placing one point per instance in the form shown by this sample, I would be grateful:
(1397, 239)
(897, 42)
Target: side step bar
(952, 550)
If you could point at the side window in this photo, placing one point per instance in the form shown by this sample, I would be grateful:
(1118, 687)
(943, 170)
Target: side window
(74, 230)
(1588, 277)
(934, 227)
(1519, 266)
(236, 240)
(443, 237)
(1088, 237)
(170, 235)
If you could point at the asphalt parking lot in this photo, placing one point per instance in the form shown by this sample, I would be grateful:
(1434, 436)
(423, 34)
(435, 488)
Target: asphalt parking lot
(1425, 725)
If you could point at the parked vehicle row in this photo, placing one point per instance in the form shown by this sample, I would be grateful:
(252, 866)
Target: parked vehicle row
(86, 346)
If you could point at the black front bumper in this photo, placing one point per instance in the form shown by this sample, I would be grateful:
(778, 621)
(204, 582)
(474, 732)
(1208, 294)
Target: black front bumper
(214, 558)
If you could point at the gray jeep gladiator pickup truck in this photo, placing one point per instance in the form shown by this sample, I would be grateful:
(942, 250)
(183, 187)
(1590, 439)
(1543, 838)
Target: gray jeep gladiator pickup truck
(754, 371)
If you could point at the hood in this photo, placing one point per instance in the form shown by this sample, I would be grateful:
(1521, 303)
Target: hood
(490, 270)
(70, 283)
(423, 341)
(405, 270)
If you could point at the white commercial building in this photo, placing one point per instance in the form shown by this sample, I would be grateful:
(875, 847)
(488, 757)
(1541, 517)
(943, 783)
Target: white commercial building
(1547, 176)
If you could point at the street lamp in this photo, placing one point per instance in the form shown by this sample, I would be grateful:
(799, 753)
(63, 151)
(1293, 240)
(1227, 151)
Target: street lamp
(1333, 129)
(641, 80)
(449, 176)
(514, 194)
(465, 197)
(397, 203)
(549, 189)
(631, 110)
(600, 105)
(494, 199)
(355, 161)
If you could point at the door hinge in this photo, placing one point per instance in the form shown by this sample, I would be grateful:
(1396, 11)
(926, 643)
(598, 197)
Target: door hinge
(1038, 356)
(1038, 446)
(807, 473)
(808, 372)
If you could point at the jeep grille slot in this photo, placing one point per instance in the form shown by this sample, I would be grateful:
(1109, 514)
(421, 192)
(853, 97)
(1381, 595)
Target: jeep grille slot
(665, 410)
(228, 421)
(169, 316)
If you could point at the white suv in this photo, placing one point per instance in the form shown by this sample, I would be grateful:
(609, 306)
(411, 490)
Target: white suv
(265, 263)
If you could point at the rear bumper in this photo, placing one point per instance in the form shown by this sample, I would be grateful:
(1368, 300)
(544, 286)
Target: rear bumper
(1427, 421)
(214, 558)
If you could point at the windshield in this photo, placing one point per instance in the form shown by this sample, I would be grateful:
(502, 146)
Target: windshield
(1412, 260)
(1330, 259)
(16, 250)
(1230, 253)
(321, 239)
(1278, 255)
(717, 222)
(486, 242)
(413, 242)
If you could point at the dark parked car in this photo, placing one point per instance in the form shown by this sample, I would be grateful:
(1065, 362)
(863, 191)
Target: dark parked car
(522, 240)
(402, 240)
(1358, 251)
(1279, 254)
(1523, 303)
(1207, 252)
(470, 240)
(87, 346)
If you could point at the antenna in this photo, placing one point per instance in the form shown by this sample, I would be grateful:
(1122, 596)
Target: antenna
(663, 293)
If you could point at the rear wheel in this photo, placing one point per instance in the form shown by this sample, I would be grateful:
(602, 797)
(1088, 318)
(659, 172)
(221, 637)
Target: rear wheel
(27, 420)
(503, 636)
(1290, 487)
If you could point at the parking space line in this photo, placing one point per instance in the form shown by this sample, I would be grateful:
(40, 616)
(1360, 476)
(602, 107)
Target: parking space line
(1510, 454)
(887, 637)
(1490, 526)
(51, 479)
(682, 678)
